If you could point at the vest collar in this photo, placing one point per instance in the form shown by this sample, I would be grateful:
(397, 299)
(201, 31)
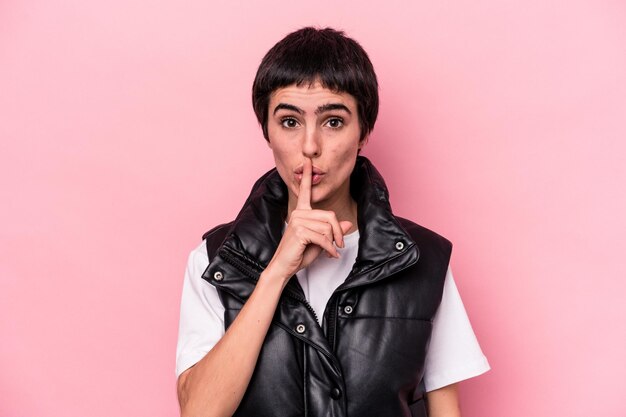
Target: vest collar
(384, 246)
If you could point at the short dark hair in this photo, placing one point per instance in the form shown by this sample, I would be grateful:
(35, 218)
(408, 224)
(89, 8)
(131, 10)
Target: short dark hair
(310, 54)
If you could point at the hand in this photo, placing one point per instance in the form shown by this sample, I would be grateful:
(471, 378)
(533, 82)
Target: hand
(308, 233)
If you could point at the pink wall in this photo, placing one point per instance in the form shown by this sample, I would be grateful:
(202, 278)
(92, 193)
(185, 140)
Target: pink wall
(502, 126)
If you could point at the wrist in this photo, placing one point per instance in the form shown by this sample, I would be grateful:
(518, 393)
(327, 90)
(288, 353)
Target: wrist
(275, 275)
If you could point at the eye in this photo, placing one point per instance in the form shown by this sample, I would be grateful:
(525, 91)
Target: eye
(289, 122)
(334, 122)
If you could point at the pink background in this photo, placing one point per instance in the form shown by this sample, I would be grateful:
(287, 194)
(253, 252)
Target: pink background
(127, 131)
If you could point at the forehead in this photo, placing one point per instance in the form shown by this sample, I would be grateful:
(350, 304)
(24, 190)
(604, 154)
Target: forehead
(310, 96)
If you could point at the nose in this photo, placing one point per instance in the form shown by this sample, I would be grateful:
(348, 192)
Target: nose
(311, 147)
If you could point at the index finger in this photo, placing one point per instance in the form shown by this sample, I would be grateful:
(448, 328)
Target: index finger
(304, 195)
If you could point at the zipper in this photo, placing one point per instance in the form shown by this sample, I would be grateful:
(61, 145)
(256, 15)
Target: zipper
(250, 270)
(332, 325)
(291, 293)
(246, 267)
(240, 265)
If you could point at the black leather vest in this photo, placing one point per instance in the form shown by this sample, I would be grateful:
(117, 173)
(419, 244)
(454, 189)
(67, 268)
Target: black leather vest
(367, 358)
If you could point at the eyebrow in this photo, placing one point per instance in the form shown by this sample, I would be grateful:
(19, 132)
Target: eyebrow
(331, 107)
(321, 109)
(284, 106)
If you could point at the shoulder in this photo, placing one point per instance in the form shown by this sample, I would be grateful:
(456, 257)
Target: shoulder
(218, 232)
(214, 238)
(197, 261)
(423, 236)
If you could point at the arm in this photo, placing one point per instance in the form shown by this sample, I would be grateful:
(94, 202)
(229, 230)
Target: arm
(453, 354)
(215, 385)
(444, 402)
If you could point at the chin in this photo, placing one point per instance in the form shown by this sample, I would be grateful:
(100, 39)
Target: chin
(319, 195)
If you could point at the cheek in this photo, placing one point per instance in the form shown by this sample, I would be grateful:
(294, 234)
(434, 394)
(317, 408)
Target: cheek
(283, 164)
(281, 157)
(346, 156)
(343, 161)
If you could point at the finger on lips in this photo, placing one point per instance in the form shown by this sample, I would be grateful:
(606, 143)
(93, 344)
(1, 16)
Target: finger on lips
(304, 194)
(304, 203)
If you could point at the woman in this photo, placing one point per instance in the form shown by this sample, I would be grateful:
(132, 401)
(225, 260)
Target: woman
(316, 300)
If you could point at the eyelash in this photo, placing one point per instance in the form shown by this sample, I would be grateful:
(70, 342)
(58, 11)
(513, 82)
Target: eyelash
(339, 119)
(286, 120)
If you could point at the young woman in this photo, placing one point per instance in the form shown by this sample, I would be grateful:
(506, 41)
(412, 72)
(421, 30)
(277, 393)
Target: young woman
(317, 300)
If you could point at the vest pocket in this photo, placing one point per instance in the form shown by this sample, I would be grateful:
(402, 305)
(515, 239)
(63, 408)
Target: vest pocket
(418, 408)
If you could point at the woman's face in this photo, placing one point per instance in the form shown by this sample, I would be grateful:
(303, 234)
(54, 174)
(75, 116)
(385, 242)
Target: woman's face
(317, 123)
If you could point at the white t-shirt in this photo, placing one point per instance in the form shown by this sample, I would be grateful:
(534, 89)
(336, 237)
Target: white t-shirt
(453, 354)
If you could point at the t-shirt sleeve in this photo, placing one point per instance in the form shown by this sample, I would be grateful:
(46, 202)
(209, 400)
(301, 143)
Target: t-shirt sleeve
(454, 353)
(201, 313)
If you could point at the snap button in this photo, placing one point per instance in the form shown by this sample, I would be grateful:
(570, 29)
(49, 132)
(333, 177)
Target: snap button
(347, 309)
(218, 276)
(335, 393)
(399, 245)
(300, 328)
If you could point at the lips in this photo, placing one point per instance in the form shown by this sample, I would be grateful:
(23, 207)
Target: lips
(316, 178)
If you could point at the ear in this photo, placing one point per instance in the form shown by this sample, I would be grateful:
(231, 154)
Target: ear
(363, 141)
